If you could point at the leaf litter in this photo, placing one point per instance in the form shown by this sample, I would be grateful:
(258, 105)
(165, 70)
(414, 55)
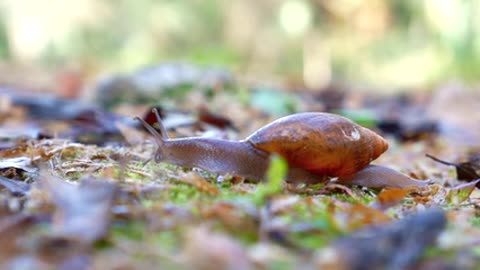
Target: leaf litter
(67, 204)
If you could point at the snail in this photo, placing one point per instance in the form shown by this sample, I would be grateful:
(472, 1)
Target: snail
(316, 145)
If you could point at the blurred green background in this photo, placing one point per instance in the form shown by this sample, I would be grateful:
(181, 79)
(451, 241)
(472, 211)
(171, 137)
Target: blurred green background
(385, 44)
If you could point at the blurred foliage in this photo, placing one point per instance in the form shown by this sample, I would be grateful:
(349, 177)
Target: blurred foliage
(274, 102)
(4, 47)
(394, 44)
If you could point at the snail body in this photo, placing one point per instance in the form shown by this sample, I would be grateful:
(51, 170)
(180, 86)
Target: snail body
(316, 145)
(381, 177)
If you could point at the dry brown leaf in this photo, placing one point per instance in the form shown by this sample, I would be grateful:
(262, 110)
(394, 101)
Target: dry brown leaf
(194, 179)
(359, 215)
(232, 216)
(466, 171)
(398, 245)
(19, 148)
(83, 211)
(12, 227)
(391, 196)
(219, 121)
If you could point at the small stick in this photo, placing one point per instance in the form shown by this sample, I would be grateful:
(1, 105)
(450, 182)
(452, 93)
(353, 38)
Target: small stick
(441, 161)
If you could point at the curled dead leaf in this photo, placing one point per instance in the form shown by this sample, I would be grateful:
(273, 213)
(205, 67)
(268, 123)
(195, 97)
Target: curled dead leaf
(466, 171)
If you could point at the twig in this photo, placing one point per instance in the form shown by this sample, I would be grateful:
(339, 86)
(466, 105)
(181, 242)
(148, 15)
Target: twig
(441, 161)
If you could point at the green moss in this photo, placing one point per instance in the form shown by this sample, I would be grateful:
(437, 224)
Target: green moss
(183, 193)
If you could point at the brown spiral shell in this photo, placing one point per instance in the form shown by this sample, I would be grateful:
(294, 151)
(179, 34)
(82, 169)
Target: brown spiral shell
(321, 143)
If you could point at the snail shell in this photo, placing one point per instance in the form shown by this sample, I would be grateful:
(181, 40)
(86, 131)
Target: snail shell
(321, 143)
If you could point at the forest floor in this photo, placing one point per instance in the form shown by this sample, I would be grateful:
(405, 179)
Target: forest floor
(76, 191)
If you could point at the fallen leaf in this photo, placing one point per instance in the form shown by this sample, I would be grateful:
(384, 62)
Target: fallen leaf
(16, 187)
(398, 245)
(151, 118)
(194, 179)
(204, 115)
(466, 171)
(231, 216)
(12, 149)
(12, 227)
(22, 163)
(390, 196)
(461, 192)
(83, 211)
(356, 216)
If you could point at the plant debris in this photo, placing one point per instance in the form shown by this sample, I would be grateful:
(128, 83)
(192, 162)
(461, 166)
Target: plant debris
(86, 198)
(466, 171)
(394, 246)
(16, 187)
(83, 211)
